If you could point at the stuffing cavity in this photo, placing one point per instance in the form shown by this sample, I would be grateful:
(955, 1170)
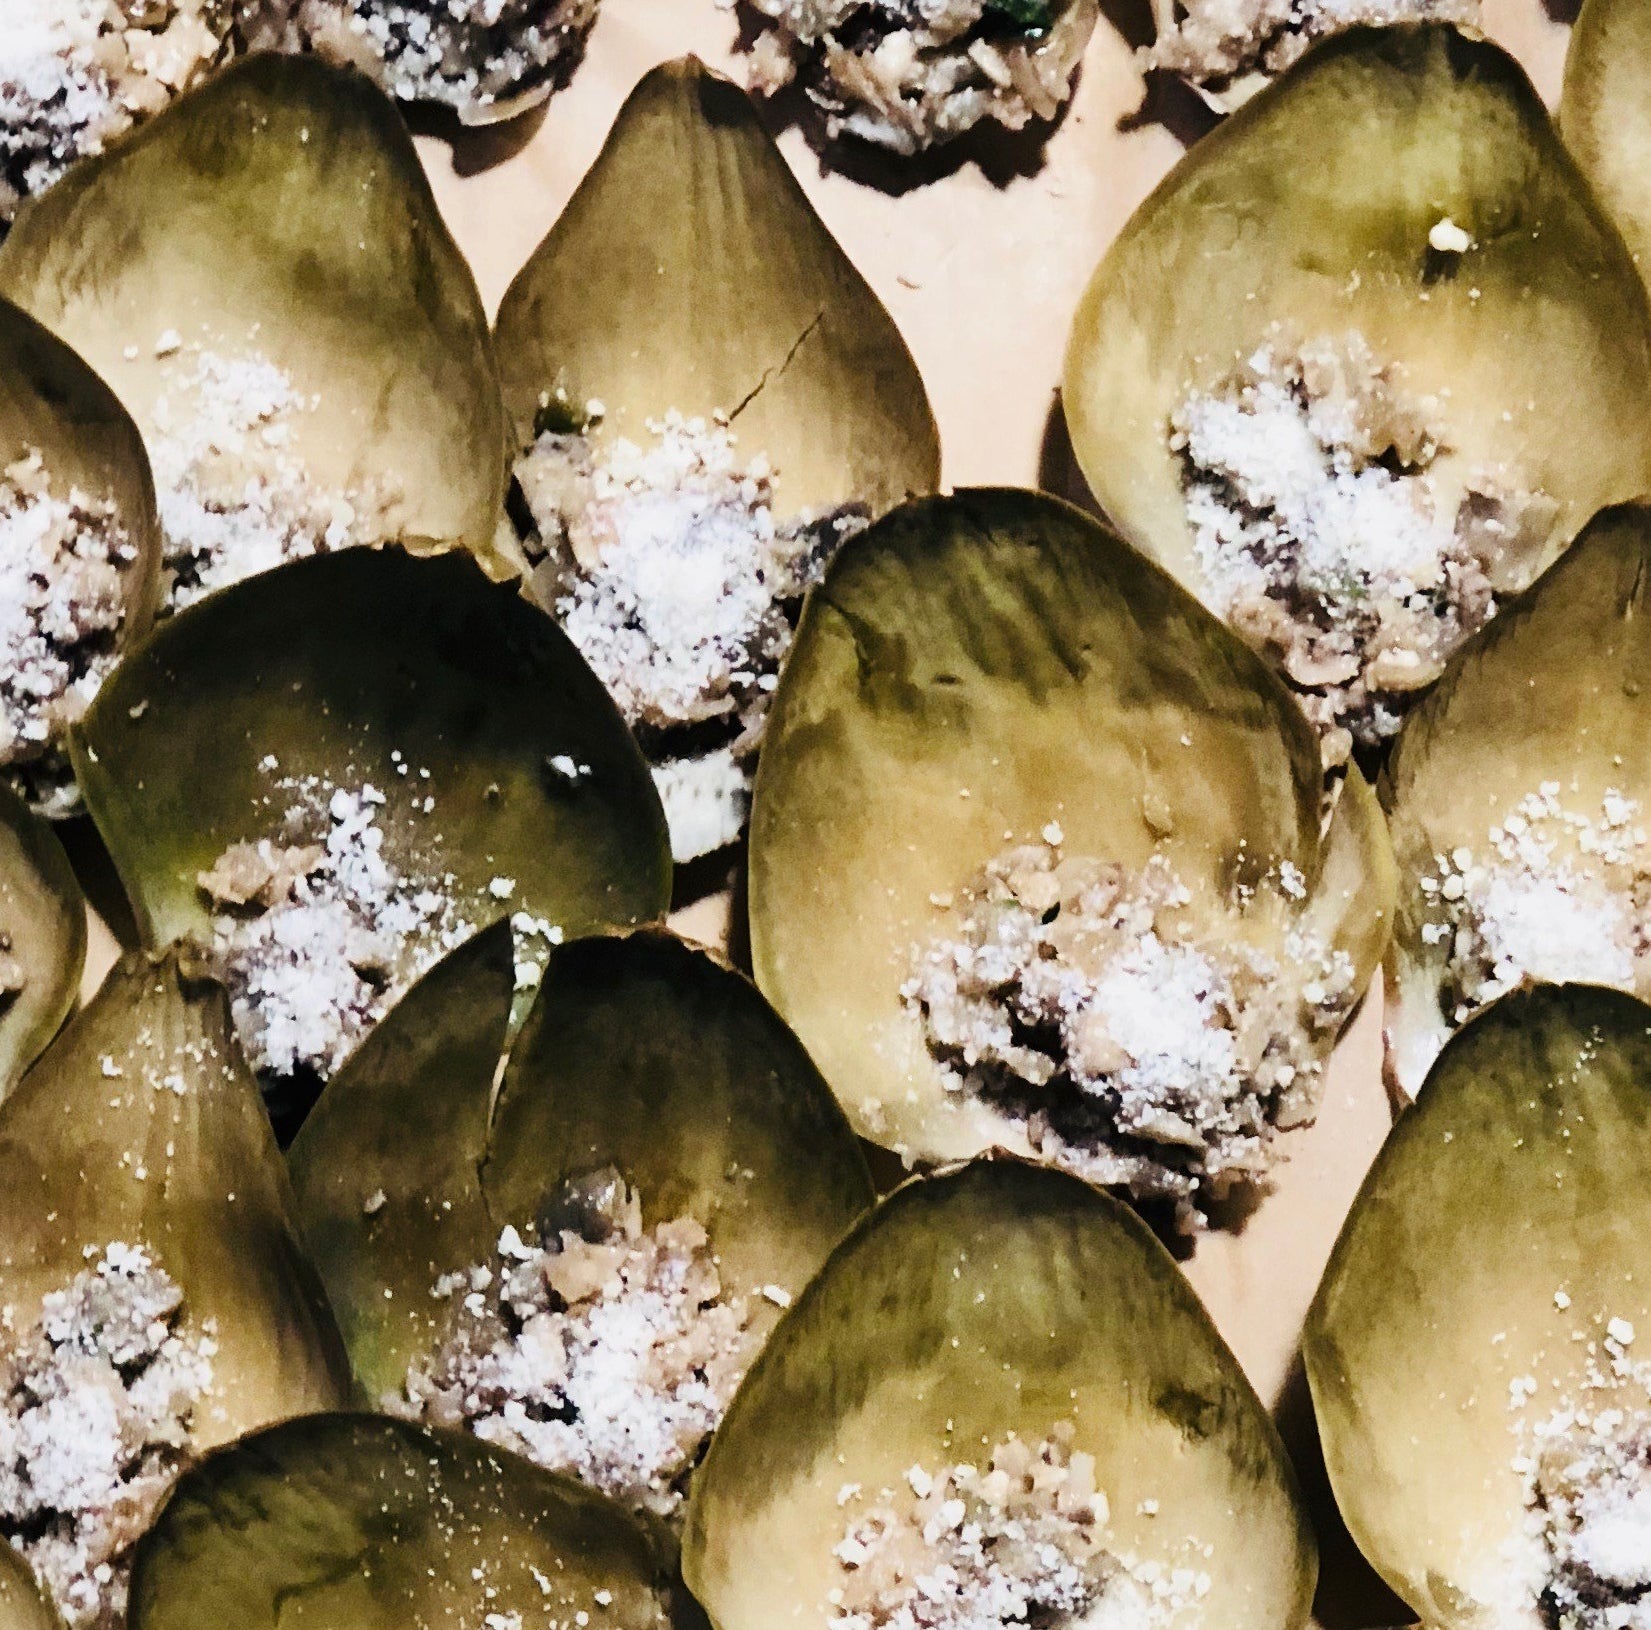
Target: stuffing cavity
(63, 560)
(1585, 1554)
(235, 497)
(100, 1395)
(483, 58)
(74, 74)
(1557, 894)
(1310, 490)
(1019, 1541)
(906, 74)
(602, 1348)
(317, 932)
(669, 570)
(1073, 996)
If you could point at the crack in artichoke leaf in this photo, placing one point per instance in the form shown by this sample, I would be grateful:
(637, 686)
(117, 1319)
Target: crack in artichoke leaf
(778, 370)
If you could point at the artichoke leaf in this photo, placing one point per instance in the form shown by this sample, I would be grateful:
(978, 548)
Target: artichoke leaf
(278, 216)
(1504, 1225)
(353, 1522)
(998, 1299)
(23, 1604)
(1605, 116)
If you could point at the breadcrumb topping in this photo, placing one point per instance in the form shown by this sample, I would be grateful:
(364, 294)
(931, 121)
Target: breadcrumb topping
(906, 74)
(1022, 1542)
(74, 74)
(1070, 994)
(316, 933)
(100, 1393)
(666, 565)
(62, 606)
(235, 498)
(1321, 540)
(606, 1349)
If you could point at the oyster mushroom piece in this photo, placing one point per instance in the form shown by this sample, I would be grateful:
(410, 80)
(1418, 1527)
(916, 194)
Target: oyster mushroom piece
(1037, 859)
(327, 775)
(159, 1302)
(75, 74)
(1474, 1348)
(1516, 799)
(1605, 116)
(1039, 1361)
(262, 276)
(581, 1268)
(355, 1522)
(1354, 404)
(42, 937)
(680, 497)
(80, 550)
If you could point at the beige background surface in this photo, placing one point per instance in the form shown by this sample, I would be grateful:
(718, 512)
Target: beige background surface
(981, 254)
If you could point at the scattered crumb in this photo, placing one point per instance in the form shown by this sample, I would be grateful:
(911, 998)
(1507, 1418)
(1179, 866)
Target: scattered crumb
(1069, 994)
(100, 1394)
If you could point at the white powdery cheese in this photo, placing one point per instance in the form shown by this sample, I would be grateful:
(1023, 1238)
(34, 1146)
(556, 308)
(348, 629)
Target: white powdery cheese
(608, 1350)
(1320, 538)
(316, 933)
(95, 1420)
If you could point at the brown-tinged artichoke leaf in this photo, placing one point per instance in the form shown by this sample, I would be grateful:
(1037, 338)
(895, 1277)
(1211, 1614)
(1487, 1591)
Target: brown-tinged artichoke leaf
(1533, 347)
(371, 667)
(973, 668)
(351, 1522)
(1551, 693)
(1605, 115)
(142, 1126)
(42, 936)
(1509, 1211)
(997, 1299)
(280, 212)
(689, 271)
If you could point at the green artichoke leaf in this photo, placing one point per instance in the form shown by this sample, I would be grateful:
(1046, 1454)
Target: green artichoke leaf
(278, 217)
(1531, 346)
(42, 936)
(1604, 115)
(972, 669)
(352, 1522)
(508, 782)
(1548, 696)
(641, 1054)
(1505, 1224)
(998, 1299)
(23, 1603)
(690, 272)
(142, 1126)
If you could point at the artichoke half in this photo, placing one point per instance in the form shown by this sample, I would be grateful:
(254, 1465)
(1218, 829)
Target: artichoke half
(348, 1522)
(680, 493)
(1355, 404)
(262, 276)
(1037, 859)
(1011, 1344)
(80, 550)
(158, 1299)
(1516, 802)
(1605, 115)
(580, 1266)
(327, 775)
(1474, 1348)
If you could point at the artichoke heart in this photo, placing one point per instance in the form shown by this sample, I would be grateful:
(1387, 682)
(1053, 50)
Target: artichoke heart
(262, 276)
(580, 1270)
(356, 1523)
(134, 1340)
(1037, 1424)
(908, 74)
(74, 74)
(388, 752)
(1354, 405)
(1475, 1350)
(678, 499)
(1037, 859)
(1516, 798)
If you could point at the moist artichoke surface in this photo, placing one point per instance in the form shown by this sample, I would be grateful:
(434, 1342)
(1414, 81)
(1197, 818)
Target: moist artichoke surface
(1604, 115)
(677, 500)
